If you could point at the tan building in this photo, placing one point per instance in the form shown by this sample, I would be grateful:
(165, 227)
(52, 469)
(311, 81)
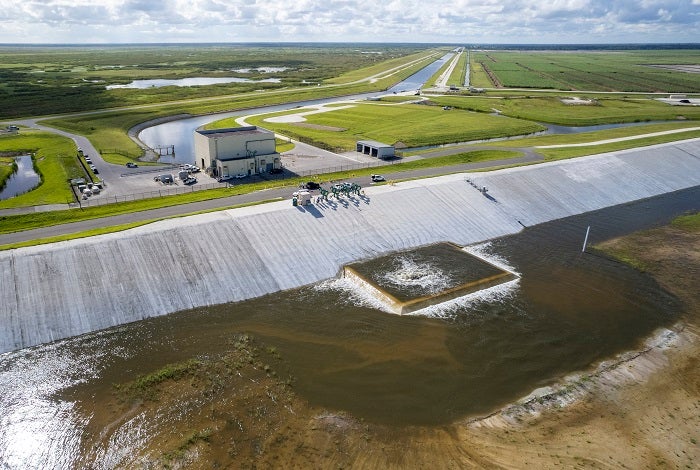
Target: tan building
(225, 153)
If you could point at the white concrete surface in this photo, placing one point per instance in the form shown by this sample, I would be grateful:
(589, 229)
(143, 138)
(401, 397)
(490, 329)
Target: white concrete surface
(68, 288)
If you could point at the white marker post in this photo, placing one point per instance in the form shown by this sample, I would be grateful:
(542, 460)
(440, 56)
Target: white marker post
(585, 240)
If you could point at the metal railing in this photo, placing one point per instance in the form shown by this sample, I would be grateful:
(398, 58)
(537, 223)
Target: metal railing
(175, 188)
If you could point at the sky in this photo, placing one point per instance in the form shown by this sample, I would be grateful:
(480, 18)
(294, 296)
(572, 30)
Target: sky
(397, 21)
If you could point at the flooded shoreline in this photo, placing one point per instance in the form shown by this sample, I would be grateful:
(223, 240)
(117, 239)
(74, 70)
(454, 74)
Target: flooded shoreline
(569, 310)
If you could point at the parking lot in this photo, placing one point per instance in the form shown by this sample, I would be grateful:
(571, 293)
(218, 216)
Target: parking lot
(140, 181)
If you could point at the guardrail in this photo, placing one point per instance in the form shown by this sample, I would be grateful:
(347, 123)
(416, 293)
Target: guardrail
(169, 190)
(174, 189)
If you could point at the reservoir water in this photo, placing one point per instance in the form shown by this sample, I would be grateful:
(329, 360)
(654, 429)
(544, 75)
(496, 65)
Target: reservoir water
(23, 180)
(567, 312)
(185, 82)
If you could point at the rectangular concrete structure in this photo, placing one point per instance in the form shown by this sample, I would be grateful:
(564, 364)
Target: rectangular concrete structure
(460, 273)
(68, 288)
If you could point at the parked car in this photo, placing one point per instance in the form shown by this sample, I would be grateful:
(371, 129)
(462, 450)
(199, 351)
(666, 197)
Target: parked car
(378, 178)
(94, 169)
(95, 189)
(88, 160)
(312, 185)
(194, 169)
(240, 175)
(189, 180)
(131, 165)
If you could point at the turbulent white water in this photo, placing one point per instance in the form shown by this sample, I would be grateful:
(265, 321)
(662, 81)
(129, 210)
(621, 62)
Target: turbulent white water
(423, 277)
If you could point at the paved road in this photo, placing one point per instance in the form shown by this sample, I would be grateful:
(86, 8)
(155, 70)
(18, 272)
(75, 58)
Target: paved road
(213, 204)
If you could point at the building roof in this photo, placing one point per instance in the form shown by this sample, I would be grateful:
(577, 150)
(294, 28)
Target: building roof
(374, 143)
(248, 130)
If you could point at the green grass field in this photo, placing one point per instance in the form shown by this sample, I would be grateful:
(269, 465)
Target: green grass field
(7, 167)
(458, 74)
(609, 70)
(551, 109)
(55, 161)
(403, 125)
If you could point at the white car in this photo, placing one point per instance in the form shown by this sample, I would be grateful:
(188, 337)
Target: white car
(240, 176)
(377, 178)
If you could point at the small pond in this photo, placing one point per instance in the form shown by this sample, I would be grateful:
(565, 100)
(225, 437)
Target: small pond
(184, 82)
(23, 180)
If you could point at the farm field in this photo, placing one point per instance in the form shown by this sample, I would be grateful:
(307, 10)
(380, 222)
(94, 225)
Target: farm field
(402, 125)
(551, 109)
(40, 80)
(609, 71)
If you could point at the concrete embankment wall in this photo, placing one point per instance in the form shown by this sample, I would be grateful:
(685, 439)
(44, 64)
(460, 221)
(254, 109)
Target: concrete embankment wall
(64, 289)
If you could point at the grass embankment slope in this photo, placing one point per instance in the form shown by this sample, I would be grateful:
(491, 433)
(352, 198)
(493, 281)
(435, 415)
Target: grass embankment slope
(54, 160)
(403, 125)
(552, 110)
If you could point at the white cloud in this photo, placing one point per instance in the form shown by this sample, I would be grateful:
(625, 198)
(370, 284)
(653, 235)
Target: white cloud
(458, 21)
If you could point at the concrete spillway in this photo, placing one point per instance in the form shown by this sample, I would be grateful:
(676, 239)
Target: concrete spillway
(64, 289)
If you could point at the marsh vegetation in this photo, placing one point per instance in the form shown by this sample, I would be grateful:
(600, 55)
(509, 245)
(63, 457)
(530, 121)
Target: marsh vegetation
(40, 80)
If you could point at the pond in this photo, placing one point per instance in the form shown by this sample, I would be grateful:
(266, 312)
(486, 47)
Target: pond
(185, 82)
(21, 181)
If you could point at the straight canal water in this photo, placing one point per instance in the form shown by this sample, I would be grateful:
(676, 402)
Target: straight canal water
(467, 357)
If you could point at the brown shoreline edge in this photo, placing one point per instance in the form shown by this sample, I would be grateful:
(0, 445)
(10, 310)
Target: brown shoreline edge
(637, 409)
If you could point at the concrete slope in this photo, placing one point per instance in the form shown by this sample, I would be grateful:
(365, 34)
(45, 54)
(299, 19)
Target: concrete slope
(65, 289)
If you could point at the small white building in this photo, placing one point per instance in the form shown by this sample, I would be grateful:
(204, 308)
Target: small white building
(375, 149)
(236, 151)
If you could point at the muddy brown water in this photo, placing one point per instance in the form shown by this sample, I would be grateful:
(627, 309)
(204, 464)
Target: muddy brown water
(568, 311)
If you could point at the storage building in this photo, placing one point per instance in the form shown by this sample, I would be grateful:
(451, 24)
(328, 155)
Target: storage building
(375, 149)
(239, 150)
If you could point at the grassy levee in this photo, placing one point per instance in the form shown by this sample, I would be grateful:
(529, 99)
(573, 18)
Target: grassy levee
(432, 81)
(54, 160)
(551, 109)
(593, 138)
(23, 222)
(397, 67)
(458, 74)
(407, 125)
(572, 152)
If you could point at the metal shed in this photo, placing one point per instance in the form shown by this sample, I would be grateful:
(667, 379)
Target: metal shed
(375, 149)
